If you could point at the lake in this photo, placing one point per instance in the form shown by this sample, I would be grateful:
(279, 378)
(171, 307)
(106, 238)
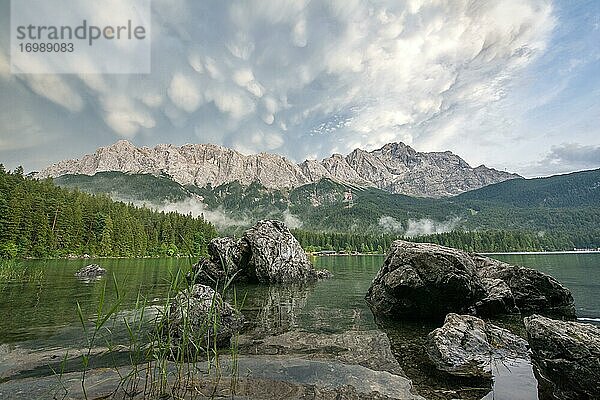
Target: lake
(41, 316)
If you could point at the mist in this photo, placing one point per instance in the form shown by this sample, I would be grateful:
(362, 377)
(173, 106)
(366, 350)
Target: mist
(418, 227)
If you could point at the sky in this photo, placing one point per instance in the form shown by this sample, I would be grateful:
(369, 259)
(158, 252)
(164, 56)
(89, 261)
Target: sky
(512, 84)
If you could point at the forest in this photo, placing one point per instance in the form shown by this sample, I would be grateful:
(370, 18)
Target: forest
(478, 241)
(39, 219)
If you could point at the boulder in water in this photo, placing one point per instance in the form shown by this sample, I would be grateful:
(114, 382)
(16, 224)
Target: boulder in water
(566, 355)
(198, 318)
(90, 271)
(421, 280)
(266, 253)
(533, 291)
(427, 281)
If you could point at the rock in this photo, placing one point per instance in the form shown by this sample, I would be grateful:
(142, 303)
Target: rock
(90, 271)
(420, 280)
(498, 300)
(271, 254)
(225, 251)
(266, 253)
(199, 318)
(427, 281)
(223, 263)
(467, 346)
(370, 349)
(567, 356)
(395, 167)
(533, 291)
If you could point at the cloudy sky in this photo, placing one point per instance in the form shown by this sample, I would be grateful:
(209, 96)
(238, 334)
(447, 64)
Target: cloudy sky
(512, 84)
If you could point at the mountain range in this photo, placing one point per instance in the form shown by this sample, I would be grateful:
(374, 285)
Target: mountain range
(395, 168)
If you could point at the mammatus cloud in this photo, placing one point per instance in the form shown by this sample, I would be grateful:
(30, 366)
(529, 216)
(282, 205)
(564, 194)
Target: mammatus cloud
(414, 227)
(310, 78)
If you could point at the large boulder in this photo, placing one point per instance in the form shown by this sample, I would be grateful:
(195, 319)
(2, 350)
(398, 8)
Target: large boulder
(271, 254)
(533, 291)
(421, 280)
(199, 319)
(427, 281)
(567, 356)
(467, 346)
(266, 253)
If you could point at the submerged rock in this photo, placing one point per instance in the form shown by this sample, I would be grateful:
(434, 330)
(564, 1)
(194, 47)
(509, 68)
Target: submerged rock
(199, 318)
(266, 253)
(90, 271)
(427, 281)
(567, 356)
(467, 346)
(419, 280)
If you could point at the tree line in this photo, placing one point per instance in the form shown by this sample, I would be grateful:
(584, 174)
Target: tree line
(40, 219)
(476, 241)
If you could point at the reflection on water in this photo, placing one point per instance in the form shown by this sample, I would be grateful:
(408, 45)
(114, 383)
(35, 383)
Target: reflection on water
(325, 321)
(274, 309)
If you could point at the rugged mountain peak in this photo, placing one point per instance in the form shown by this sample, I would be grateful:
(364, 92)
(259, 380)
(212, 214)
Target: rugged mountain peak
(395, 167)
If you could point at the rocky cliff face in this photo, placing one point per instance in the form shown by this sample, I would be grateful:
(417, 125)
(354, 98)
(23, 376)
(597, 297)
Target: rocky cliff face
(395, 167)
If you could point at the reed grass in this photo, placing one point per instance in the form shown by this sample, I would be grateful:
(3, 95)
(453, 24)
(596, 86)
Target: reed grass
(158, 364)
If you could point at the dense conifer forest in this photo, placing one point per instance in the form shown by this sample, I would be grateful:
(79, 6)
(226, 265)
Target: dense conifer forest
(40, 219)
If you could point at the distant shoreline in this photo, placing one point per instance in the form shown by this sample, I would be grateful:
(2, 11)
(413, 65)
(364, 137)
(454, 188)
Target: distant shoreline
(543, 252)
(335, 254)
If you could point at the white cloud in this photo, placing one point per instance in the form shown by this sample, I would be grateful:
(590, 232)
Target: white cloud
(184, 93)
(292, 221)
(428, 226)
(316, 77)
(390, 224)
(55, 89)
(566, 157)
(124, 117)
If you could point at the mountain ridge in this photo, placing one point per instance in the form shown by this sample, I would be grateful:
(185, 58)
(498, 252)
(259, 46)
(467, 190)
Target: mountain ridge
(395, 167)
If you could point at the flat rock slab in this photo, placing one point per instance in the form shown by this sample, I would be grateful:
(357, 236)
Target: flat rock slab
(259, 378)
(370, 349)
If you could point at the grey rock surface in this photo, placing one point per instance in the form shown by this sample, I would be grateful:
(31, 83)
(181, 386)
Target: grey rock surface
(271, 254)
(427, 281)
(499, 298)
(533, 291)
(395, 167)
(198, 318)
(467, 346)
(567, 355)
(266, 253)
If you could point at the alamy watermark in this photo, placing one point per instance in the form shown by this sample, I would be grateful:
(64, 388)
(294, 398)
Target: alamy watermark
(80, 36)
